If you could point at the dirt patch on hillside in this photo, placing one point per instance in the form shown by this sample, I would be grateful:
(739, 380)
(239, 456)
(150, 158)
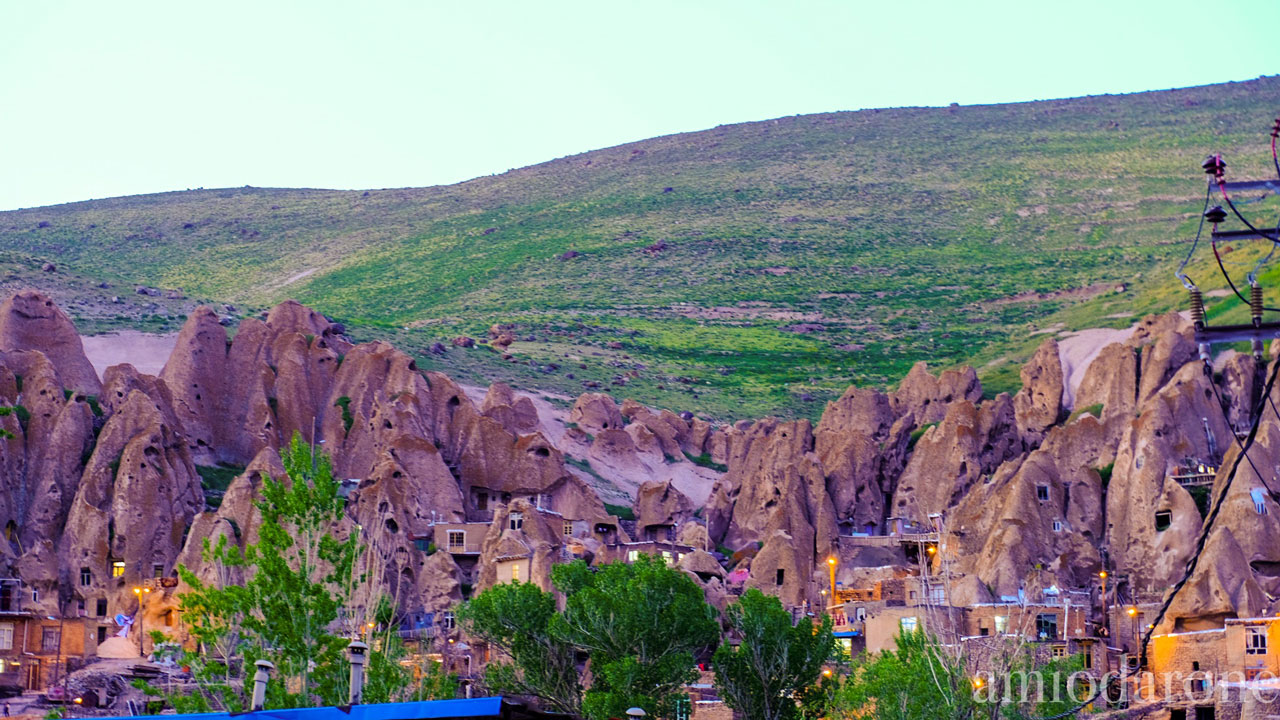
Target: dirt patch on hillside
(1080, 293)
(145, 351)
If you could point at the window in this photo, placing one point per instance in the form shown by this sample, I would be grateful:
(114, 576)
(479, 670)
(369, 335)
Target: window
(80, 606)
(1255, 641)
(633, 555)
(780, 576)
(168, 618)
(422, 543)
(86, 577)
(1088, 658)
(457, 539)
(482, 501)
(50, 639)
(117, 568)
(515, 572)
(102, 607)
(447, 620)
(1164, 518)
(544, 501)
(908, 624)
(666, 557)
(6, 636)
(1047, 626)
(1057, 526)
(1002, 624)
(568, 529)
(1059, 651)
(157, 570)
(35, 595)
(516, 520)
(1042, 493)
(860, 614)
(1259, 500)
(102, 635)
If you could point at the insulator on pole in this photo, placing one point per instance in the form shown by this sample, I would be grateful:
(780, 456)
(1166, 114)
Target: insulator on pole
(1197, 307)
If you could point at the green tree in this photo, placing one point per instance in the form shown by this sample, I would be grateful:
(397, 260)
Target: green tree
(775, 661)
(918, 680)
(280, 598)
(641, 624)
(516, 619)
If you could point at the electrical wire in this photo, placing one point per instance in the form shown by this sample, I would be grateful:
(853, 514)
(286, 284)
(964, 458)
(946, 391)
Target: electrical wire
(1187, 282)
(1222, 189)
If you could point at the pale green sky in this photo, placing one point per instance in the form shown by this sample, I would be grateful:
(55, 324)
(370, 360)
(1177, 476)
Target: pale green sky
(116, 98)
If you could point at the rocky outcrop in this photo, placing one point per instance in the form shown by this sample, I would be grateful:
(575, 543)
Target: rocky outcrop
(861, 445)
(659, 506)
(950, 458)
(30, 321)
(595, 412)
(517, 414)
(927, 397)
(1038, 405)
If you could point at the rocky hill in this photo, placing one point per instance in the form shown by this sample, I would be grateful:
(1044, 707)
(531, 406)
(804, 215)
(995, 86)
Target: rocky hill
(111, 481)
(748, 269)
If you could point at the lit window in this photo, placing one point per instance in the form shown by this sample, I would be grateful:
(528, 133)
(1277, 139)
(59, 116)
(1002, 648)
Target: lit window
(86, 577)
(6, 636)
(457, 539)
(1255, 642)
(516, 520)
(1002, 624)
(515, 572)
(117, 568)
(633, 555)
(666, 557)
(568, 529)
(909, 624)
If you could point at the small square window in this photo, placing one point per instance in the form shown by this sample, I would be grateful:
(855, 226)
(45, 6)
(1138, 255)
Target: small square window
(515, 572)
(457, 539)
(1164, 518)
(633, 555)
(157, 570)
(908, 624)
(1057, 526)
(516, 520)
(447, 620)
(1059, 651)
(86, 576)
(1042, 493)
(568, 528)
(117, 568)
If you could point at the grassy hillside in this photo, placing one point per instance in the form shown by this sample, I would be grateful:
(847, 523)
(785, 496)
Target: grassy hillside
(748, 269)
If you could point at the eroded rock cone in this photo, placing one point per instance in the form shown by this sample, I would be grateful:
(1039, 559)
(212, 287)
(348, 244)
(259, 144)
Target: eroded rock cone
(927, 397)
(29, 320)
(1038, 405)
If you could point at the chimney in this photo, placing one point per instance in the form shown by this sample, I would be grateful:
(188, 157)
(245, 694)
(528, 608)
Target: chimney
(357, 652)
(260, 684)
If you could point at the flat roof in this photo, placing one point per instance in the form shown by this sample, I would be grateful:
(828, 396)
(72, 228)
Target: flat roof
(422, 710)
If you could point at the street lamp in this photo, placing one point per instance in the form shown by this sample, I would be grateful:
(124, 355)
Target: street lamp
(1106, 609)
(140, 591)
(831, 566)
(1133, 620)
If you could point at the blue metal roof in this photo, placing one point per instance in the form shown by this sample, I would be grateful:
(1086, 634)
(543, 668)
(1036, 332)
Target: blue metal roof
(423, 710)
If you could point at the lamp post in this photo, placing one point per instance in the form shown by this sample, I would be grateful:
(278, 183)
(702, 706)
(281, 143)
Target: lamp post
(1133, 620)
(140, 592)
(1106, 609)
(831, 566)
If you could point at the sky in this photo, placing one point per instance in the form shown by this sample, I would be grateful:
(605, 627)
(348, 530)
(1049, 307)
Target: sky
(100, 99)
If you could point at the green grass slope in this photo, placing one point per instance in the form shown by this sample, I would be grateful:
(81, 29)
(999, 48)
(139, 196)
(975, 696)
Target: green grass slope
(743, 270)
